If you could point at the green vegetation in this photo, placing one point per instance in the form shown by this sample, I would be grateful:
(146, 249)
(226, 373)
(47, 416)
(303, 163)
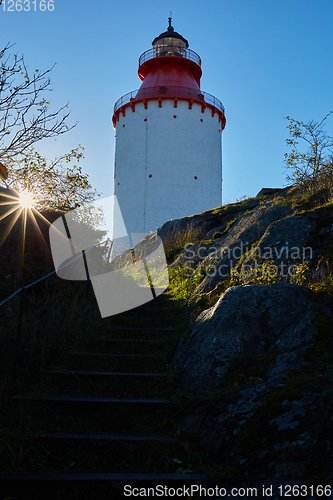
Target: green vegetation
(177, 241)
(264, 274)
(317, 275)
(311, 169)
(183, 282)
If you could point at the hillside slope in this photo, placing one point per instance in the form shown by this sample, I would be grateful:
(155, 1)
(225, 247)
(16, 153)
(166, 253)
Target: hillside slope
(256, 369)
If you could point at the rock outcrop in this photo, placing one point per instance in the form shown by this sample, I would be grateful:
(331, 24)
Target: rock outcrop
(273, 321)
(255, 369)
(253, 363)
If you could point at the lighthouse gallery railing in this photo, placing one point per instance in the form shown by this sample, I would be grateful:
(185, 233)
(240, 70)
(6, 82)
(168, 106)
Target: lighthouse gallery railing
(169, 50)
(186, 93)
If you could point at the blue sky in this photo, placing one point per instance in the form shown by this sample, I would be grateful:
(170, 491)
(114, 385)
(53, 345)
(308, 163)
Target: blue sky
(264, 59)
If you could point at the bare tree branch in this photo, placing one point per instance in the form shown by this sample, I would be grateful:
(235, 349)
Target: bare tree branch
(25, 114)
(26, 117)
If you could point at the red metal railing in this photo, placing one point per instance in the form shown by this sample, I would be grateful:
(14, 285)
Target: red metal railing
(169, 50)
(155, 92)
(125, 99)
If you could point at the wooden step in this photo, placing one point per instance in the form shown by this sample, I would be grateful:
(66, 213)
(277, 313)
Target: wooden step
(159, 308)
(127, 345)
(114, 384)
(138, 332)
(116, 362)
(142, 328)
(56, 476)
(111, 355)
(111, 374)
(151, 306)
(92, 399)
(142, 341)
(105, 437)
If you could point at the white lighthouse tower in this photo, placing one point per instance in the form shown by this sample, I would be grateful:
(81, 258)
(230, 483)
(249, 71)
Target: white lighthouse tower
(168, 158)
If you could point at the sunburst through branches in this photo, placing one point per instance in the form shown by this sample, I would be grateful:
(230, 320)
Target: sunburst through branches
(27, 199)
(21, 206)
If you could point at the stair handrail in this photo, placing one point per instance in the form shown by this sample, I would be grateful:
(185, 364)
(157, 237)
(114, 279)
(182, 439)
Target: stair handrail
(20, 292)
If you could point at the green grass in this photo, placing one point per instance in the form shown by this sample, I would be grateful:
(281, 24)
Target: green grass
(176, 242)
(182, 283)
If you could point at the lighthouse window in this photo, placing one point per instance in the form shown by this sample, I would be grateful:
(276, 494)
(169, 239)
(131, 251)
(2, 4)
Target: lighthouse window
(170, 46)
(163, 90)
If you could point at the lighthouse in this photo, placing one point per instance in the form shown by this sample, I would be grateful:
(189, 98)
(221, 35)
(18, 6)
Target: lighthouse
(168, 155)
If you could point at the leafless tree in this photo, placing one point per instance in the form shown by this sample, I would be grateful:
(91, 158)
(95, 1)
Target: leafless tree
(25, 113)
(26, 117)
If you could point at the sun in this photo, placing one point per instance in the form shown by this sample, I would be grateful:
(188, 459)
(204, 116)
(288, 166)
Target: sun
(20, 206)
(27, 199)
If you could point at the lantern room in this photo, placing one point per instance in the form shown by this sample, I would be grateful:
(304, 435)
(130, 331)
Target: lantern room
(170, 43)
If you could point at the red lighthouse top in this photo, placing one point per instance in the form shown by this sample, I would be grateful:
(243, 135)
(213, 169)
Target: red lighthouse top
(170, 62)
(169, 70)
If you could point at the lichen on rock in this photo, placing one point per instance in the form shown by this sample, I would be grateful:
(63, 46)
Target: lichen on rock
(249, 319)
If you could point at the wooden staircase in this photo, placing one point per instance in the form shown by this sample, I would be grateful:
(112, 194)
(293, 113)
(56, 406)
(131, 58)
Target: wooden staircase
(105, 417)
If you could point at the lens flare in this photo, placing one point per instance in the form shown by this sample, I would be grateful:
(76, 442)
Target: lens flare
(20, 206)
(27, 199)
